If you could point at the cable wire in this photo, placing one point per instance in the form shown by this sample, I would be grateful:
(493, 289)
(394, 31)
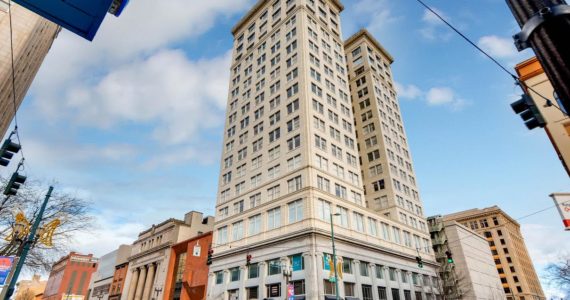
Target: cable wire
(517, 80)
(515, 220)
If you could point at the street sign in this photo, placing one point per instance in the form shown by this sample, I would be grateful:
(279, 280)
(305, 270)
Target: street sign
(197, 250)
(562, 201)
(5, 267)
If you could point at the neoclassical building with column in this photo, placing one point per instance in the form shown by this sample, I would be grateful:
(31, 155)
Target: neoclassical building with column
(148, 263)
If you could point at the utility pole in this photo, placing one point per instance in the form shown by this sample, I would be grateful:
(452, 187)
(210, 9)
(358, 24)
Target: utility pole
(545, 27)
(28, 242)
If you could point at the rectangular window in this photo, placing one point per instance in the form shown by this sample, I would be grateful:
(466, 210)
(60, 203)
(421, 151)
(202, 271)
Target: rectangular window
(253, 271)
(294, 142)
(274, 290)
(237, 230)
(324, 210)
(223, 235)
(273, 267)
(382, 293)
(273, 218)
(364, 267)
(295, 211)
(295, 184)
(366, 292)
(234, 274)
(254, 225)
(219, 277)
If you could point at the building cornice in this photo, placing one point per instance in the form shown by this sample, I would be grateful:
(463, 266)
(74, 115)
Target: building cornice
(262, 3)
(323, 233)
(364, 34)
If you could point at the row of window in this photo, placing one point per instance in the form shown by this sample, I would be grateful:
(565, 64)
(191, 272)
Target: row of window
(371, 226)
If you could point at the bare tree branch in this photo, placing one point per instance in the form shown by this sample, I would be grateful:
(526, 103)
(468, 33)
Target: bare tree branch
(72, 211)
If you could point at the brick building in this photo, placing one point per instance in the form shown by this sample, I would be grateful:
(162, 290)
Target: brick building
(187, 270)
(70, 277)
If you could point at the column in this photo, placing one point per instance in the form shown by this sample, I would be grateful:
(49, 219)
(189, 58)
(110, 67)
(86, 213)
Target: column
(149, 282)
(211, 285)
(311, 284)
(386, 271)
(262, 292)
(140, 284)
(318, 263)
(133, 284)
(226, 282)
(242, 278)
(374, 282)
(358, 284)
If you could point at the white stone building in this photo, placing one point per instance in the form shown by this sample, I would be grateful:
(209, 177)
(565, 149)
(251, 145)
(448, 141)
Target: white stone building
(291, 159)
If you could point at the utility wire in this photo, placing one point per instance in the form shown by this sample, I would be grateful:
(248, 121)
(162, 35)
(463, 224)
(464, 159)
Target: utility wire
(517, 219)
(517, 80)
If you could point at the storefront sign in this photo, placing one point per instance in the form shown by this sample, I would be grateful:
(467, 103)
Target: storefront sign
(562, 201)
(5, 267)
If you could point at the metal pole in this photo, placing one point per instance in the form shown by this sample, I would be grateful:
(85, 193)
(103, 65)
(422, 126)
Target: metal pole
(549, 41)
(334, 258)
(27, 245)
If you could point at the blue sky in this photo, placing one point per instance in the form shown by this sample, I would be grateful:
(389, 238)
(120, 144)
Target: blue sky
(134, 120)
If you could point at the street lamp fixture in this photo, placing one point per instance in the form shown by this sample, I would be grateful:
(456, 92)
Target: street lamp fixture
(334, 255)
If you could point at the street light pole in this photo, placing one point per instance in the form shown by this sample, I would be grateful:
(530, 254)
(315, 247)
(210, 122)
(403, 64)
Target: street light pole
(334, 255)
(27, 245)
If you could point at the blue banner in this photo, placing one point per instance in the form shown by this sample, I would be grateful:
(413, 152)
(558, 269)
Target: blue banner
(297, 263)
(327, 261)
(5, 267)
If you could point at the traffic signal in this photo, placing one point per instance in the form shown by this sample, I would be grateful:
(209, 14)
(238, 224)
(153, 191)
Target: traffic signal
(14, 184)
(7, 151)
(449, 257)
(209, 260)
(420, 261)
(248, 260)
(529, 112)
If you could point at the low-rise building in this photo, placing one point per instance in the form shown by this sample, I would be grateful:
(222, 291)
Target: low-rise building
(512, 261)
(472, 274)
(150, 255)
(187, 270)
(120, 273)
(70, 277)
(101, 281)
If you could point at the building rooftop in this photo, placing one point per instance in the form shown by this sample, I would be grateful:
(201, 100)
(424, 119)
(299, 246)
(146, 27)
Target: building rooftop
(363, 33)
(477, 212)
(257, 7)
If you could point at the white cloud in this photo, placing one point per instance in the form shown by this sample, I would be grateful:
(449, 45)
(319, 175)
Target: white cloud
(433, 28)
(439, 96)
(408, 92)
(113, 79)
(180, 95)
(497, 46)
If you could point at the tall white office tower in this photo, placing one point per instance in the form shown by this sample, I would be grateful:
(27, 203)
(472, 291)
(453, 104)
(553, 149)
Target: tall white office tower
(291, 161)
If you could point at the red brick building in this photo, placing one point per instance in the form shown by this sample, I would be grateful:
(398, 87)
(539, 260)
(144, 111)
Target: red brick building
(70, 276)
(187, 277)
(118, 281)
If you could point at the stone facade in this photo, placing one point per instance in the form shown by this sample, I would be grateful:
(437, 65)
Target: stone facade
(33, 37)
(291, 160)
(148, 263)
(30, 288)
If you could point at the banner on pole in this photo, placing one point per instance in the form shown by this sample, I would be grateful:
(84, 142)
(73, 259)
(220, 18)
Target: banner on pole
(5, 267)
(562, 201)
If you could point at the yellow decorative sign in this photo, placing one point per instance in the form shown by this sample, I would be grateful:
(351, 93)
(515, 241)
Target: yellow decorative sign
(22, 227)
